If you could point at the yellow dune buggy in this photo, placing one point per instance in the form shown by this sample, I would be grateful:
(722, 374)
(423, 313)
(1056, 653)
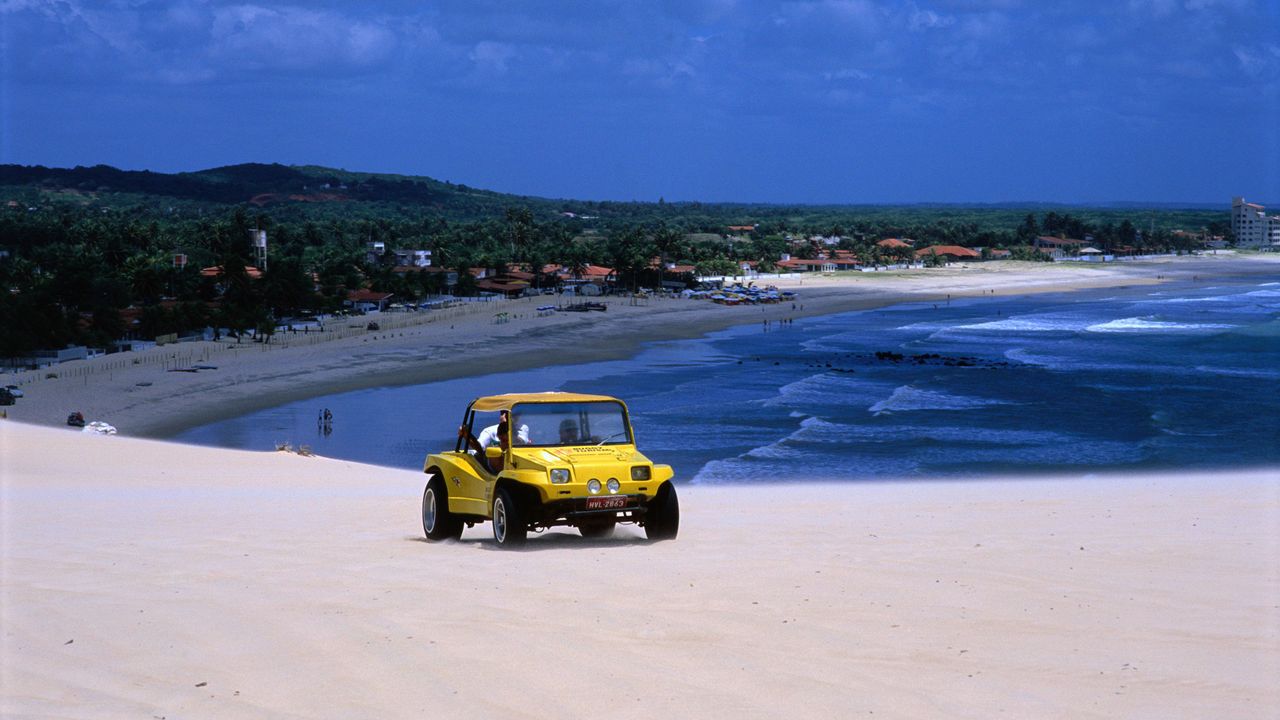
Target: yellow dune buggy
(527, 462)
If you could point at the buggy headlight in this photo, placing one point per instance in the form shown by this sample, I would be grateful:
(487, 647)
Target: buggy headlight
(593, 486)
(560, 476)
(613, 485)
(640, 472)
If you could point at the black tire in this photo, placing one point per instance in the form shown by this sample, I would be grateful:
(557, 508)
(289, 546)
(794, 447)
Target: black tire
(662, 521)
(437, 522)
(510, 528)
(598, 529)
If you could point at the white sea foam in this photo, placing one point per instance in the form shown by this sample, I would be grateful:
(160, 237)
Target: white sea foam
(1138, 324)
(823, 432)
(774, 451)
(835, 342)
(1030, 324)
(783, 461)
(1022, 355)
(932, 325)
(906, 398)
(1239, 372)
(820, 389)
(1246, 297)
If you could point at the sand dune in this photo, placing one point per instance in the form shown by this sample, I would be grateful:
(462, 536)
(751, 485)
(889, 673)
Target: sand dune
(144, 579)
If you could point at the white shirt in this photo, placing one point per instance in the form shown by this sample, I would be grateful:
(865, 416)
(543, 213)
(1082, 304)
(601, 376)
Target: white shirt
(489, 436)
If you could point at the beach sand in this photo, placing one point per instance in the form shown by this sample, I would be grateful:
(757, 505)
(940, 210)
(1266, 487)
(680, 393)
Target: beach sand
(141, 395)
(144, 579)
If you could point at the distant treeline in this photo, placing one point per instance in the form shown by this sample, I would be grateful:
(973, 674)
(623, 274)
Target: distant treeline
(86, 254)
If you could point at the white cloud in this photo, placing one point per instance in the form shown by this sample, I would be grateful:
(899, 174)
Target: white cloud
(492, 57)
(846, 74)
(1258, 61)
(928, 20)
(293, 38)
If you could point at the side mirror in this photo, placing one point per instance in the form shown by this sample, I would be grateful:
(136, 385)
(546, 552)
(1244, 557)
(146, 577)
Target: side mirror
(493, 452)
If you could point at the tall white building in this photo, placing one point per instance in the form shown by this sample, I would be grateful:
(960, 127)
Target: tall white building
(1252, 225)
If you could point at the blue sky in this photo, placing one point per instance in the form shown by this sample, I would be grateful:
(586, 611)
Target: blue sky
(716, 100)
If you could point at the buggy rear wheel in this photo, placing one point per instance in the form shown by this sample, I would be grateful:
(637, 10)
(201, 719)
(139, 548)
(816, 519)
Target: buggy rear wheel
(437, 522)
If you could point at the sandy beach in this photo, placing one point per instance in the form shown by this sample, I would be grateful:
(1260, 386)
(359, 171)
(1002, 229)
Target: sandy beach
(141, 395)
(154, 580)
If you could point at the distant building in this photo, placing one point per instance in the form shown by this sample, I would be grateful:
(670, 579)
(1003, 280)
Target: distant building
(950, 252)
(1057, 247)
(416, 258)
(892, 243)
(1251, 224)
(367, 300)
(376, 251)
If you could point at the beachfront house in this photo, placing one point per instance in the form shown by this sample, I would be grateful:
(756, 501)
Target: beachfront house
(818, 264)
(505, 288)
(367, 300)
(1093, 254)
(948, 253)
(894, 243)
(1058, 247)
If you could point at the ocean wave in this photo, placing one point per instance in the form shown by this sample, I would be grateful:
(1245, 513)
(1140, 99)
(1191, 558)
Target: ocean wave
(1138, 324)
(1239, 372)
(931, 448)
(907, 398)
(1022, 355)
(1030, 324)
(822, 432)
(829, 344)
(1238, 297)
(820, 390)
(930, 325)
(747, 469)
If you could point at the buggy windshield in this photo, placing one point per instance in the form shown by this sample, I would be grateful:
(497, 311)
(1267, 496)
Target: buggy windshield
(574, 423)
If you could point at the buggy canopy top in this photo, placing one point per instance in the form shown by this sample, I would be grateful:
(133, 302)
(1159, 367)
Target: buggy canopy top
(506, 402)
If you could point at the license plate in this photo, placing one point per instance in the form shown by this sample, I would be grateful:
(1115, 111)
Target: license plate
(612, 502)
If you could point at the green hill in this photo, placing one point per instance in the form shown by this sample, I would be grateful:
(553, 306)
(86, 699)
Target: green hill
(293, 193)
(252, 184)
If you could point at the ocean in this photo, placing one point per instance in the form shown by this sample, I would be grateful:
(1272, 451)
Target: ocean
(1144, 378)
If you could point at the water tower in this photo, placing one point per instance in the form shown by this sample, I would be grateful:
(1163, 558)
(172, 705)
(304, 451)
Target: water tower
(259, 240)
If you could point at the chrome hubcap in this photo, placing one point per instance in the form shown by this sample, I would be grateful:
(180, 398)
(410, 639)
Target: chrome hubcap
(429, 511)
(499, 520)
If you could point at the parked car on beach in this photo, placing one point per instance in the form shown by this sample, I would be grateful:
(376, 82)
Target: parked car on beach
(560, 459)
(14, 391)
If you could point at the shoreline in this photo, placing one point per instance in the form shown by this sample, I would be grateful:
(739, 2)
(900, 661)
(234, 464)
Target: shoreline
(138, 394)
